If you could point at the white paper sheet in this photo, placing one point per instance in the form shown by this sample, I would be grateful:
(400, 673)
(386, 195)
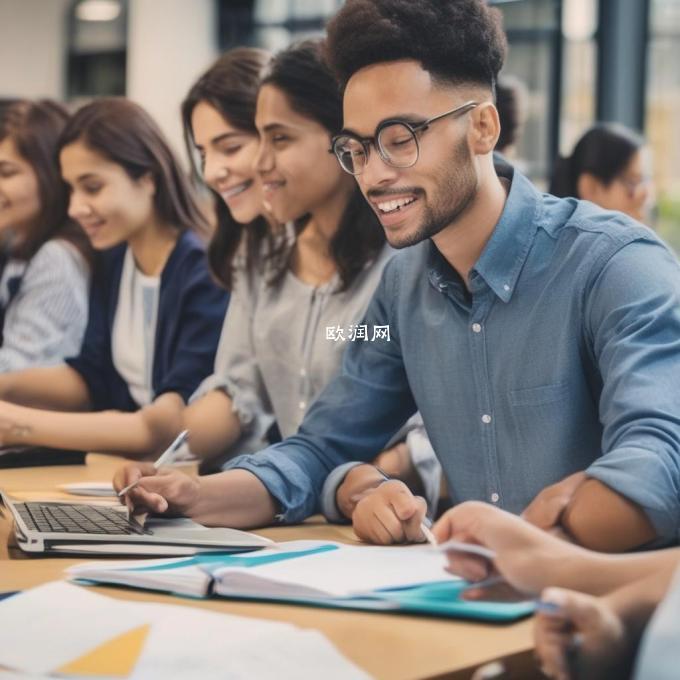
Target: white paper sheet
(213, 646)
(345, 572)
(48, 626)
(89, 489)
(64, 622)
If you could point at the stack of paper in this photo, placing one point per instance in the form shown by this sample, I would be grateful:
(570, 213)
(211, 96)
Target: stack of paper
(62, 629)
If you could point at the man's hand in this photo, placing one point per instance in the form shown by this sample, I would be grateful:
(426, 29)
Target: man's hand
(545, 511)
(388, 514)
(159, 491)
(584, 639)
(397, 463)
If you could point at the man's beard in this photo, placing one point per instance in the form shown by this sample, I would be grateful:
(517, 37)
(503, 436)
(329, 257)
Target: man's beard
(455, 193)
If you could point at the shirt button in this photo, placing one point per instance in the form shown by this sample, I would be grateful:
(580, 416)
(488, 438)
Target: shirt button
(486, 418)
(506, 288)
(303, 371)
(494, 497)
(477, 328)
(302, 405)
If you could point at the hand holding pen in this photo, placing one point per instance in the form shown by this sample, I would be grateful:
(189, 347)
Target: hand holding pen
(165, 458)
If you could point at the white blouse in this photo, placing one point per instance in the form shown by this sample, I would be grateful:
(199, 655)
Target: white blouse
(134, 329)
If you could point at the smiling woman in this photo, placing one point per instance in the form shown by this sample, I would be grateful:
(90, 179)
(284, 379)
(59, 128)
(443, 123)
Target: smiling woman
(155, 313)
(44, 257)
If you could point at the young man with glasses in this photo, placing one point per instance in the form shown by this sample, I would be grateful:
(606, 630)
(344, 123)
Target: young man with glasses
(538, 337)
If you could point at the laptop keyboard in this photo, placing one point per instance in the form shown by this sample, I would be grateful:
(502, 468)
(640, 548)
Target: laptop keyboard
(76, 519)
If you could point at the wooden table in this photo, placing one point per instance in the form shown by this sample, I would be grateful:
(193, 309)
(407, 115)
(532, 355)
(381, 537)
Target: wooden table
(394, 647)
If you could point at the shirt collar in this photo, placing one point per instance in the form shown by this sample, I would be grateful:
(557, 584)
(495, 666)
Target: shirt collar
(506, 251)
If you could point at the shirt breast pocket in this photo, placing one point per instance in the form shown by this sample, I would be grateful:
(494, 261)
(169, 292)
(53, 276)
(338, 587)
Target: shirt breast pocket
(540, 395)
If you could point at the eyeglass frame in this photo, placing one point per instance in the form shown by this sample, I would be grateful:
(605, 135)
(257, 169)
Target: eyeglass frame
(374, 141)
(632, 186)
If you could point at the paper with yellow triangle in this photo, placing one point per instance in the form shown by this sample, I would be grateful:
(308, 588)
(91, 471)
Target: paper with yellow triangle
(114, 658)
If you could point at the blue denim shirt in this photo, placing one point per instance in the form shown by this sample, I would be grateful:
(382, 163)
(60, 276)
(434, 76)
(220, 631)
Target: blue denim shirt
(564, 355)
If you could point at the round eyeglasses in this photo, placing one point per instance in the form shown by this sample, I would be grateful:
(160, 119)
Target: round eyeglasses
(395, 140)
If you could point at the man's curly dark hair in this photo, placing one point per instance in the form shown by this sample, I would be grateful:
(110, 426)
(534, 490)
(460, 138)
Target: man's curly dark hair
(456, 41)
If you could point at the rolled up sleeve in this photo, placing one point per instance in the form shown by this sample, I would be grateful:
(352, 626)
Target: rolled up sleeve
(633, 314)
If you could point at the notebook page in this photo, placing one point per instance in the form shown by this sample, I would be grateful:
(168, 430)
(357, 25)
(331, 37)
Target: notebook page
(346, 571)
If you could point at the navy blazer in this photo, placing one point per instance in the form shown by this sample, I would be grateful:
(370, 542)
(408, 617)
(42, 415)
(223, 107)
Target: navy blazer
(191, 311)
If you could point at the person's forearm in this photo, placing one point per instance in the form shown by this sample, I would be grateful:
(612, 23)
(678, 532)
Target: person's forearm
(56, 387)
(601, 519)
(359, 481)
(141, 434)
(637, 601)
(235, 498)
(213, 425)
(599, 573)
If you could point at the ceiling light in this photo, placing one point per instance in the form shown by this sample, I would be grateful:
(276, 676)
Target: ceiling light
(98, 10)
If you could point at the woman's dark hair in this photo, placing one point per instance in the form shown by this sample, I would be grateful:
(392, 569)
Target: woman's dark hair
(302, 74)
(230, 86)
(35, 127)
(125, 134)
(603, 151)
(456, 41)
(510, 103)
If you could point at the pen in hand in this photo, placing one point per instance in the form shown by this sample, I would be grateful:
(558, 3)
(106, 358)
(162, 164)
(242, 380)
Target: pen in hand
(162, 460)
(429, 536)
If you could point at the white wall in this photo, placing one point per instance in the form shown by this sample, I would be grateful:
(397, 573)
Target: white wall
(32, 50)
(170, 43)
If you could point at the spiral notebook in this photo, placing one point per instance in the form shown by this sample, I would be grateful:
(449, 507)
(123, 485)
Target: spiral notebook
(408, 579)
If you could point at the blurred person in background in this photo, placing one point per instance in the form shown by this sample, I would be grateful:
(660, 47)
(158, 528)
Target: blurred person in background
(609, 167)
(155, 313)
(511, 98)
(45, 257)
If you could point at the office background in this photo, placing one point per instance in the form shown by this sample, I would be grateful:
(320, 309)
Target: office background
(581, 60)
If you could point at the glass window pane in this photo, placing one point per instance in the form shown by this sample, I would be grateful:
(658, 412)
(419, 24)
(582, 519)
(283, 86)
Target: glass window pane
(662, 106)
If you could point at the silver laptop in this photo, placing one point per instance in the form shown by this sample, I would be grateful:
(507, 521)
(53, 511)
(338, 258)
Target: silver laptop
(80, 528)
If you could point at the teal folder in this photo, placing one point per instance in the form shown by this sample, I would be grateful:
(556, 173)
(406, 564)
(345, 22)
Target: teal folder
(204, 576)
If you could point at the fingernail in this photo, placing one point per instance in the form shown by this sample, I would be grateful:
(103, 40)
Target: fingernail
(553, 596)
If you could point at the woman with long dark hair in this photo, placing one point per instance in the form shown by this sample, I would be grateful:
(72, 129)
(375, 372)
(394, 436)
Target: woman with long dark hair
(606, 167)
(45, 257)
(155, 313)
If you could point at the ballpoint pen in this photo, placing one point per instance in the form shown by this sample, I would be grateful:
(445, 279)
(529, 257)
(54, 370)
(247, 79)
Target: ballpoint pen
(164, 458)
(429, 536)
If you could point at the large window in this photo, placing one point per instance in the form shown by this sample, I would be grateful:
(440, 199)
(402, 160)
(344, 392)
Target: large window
(272, 24)
(579, 26)
(662, 113)
(97, 42)
(552, 51)
(533, 30)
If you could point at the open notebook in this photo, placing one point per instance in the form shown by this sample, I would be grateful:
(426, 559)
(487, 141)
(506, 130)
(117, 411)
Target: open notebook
(406, 579)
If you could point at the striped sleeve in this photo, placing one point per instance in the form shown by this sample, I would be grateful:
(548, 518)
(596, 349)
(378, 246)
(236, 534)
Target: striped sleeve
(46, 321)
